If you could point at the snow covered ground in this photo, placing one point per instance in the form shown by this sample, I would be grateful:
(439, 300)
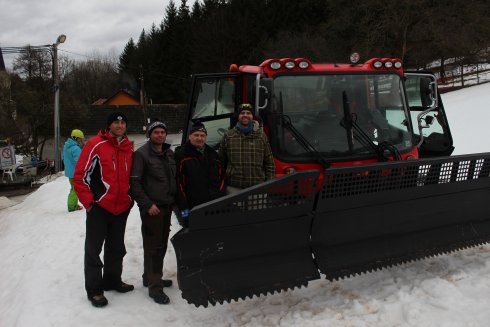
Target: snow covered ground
(468, 113)
(41, 270)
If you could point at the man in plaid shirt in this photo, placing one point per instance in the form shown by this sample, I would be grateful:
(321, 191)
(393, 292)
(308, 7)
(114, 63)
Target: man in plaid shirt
(245, 153)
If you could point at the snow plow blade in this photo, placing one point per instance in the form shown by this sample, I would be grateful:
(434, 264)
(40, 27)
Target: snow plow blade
(379, 215)
(249, 243)
(284, 233)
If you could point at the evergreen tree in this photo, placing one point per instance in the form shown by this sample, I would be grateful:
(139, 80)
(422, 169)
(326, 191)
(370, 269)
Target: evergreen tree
(196, 13)
(127, 55)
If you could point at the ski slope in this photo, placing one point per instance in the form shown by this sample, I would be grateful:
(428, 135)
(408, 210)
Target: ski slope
(42, 284)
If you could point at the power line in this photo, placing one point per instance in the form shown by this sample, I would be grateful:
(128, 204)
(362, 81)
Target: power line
(38, 48)
(78, 54)
(26, 49)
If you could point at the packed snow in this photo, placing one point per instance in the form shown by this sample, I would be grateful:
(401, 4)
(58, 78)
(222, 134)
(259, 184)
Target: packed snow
(42, 283)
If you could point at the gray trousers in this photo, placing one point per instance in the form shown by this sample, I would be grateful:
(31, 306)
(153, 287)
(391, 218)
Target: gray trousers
(155, 231)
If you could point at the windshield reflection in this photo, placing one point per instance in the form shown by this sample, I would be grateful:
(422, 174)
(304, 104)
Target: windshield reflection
(314, 105)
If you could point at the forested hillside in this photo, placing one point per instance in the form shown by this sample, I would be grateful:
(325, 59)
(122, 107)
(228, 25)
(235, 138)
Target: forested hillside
(209, 35)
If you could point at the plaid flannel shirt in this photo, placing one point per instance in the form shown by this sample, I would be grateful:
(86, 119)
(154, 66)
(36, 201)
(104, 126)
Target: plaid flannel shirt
(247, 158)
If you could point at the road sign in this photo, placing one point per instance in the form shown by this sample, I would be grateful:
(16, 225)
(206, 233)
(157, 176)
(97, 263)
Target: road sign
(7, 156)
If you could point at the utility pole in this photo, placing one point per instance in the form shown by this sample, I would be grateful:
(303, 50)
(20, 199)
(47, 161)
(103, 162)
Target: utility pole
(143, 97)
(57, 160)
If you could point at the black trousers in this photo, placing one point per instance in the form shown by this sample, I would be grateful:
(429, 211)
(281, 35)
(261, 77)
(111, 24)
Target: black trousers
(155, 231)
(104, 228)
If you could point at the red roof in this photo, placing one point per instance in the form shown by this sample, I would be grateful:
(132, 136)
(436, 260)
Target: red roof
(121, 97)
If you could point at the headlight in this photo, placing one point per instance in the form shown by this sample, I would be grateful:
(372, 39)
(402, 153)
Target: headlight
(397, 64)
(303, 65)
(377, 64)
(388, 64)
(289, 65)
(275, 65)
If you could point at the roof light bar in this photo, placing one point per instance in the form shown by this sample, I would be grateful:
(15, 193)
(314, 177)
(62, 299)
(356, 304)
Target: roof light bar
(388, 63)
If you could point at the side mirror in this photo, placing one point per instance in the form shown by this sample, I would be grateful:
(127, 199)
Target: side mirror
(428, 92)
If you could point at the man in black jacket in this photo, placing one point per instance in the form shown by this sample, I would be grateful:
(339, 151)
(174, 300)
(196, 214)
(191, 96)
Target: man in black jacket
(154, 188)
(200, 176)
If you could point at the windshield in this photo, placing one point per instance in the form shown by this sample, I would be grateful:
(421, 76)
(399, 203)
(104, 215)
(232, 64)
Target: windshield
(314, 106)
(213, 103)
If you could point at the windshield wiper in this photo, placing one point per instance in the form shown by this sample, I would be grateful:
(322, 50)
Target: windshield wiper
(286, 120)
(347, 122)
(354, 131)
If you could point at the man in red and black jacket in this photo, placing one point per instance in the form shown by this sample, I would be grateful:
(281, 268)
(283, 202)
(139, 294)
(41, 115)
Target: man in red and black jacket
(200, 176)
(101, 181)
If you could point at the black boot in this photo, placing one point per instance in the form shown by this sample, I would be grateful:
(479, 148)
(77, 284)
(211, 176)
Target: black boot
(159, 296)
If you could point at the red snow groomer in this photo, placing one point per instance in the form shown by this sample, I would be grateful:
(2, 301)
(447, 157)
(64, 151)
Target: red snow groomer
(365, 179)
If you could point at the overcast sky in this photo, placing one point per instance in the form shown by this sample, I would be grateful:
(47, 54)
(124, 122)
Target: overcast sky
(91, 26)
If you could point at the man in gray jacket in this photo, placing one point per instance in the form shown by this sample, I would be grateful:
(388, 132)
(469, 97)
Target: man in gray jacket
(153, 186)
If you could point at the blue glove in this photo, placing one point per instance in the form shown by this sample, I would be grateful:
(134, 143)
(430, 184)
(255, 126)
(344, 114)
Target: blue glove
(185, 213)
(185, 217)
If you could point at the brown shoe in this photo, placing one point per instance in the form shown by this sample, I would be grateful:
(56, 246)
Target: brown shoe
(98, 300)
(120, 287)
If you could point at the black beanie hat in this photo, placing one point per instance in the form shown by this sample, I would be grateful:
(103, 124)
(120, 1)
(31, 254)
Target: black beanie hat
(245, 106)
(156, 124)
(198, 126)
(116, 116)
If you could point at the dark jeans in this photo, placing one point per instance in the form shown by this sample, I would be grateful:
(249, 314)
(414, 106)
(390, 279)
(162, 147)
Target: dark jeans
(155, 231)
(104, 226)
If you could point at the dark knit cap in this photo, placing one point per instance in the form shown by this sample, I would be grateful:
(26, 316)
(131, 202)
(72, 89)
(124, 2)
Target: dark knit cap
(198, 127)
(156, 124)
(245, 106)
(116, 116)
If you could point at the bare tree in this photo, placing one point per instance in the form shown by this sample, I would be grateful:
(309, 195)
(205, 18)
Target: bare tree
(34, 63)
(92, 79)
(32, 92)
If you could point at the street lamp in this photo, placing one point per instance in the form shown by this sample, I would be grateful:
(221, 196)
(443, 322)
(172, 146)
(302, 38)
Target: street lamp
(57, 162)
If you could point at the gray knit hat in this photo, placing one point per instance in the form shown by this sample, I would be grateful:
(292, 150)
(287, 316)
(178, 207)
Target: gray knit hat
(156, 124)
